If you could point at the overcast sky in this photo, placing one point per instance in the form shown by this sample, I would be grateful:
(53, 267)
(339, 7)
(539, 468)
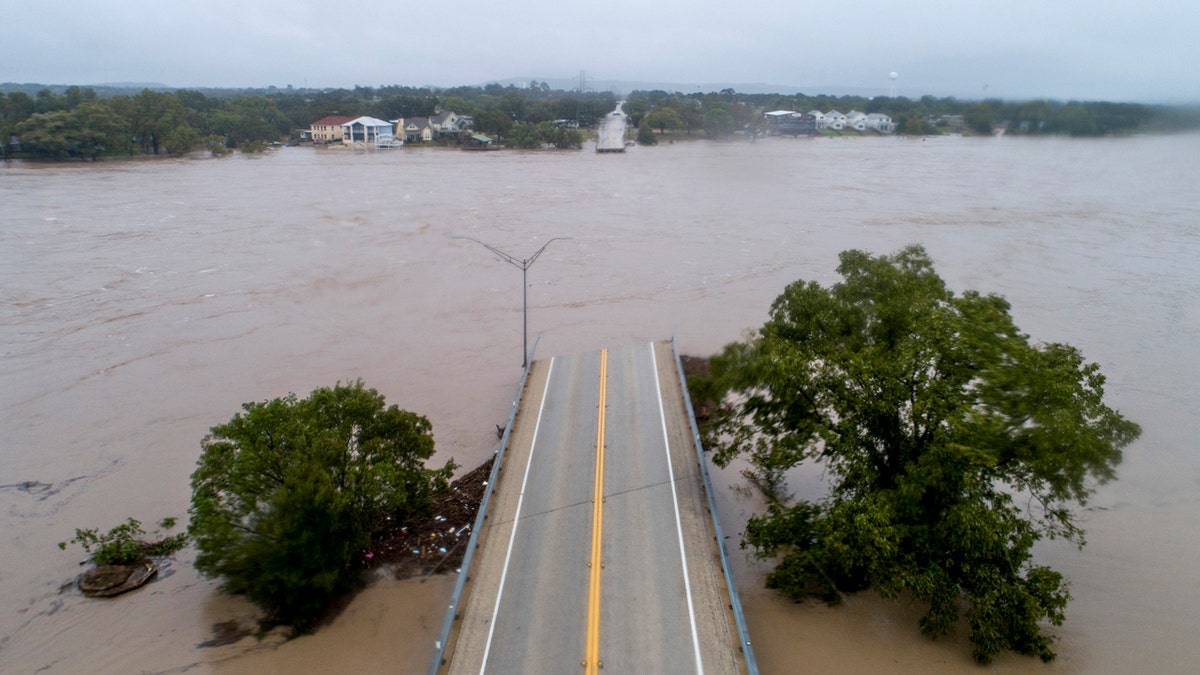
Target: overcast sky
(1127, 50)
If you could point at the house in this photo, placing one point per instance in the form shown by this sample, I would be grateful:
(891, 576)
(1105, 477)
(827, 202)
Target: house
(368, 131)
(790, 122)
(328, 129)
(416, 129)
(449, 122)
(954, 122)
(818, 118)
(835, 120)
(881, 123)
(797, 124)
(856, 120)
(774, 118)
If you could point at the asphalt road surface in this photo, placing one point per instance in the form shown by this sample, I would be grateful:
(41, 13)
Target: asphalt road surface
(633, 586)
(611, 136)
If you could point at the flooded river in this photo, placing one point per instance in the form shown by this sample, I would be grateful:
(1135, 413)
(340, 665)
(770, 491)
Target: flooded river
(144, 301)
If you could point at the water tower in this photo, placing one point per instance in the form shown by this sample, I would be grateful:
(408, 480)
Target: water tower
(892, 84)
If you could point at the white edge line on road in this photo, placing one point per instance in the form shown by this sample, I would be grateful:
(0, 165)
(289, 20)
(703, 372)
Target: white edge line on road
(517, 519)
(687, 584)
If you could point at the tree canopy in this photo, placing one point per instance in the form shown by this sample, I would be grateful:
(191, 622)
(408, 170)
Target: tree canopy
(287, 495)
(663, 118)
(952, 443)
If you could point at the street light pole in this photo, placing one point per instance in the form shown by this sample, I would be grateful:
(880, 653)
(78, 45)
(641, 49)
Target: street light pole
(524, 264)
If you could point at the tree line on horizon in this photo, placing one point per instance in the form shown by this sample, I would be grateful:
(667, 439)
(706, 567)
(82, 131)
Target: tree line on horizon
(79, 122)
(720, 113)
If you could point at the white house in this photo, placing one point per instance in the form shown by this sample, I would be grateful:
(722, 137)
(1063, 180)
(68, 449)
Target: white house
(856, 120)
(819, 118)
(368, 131)
(450, 122)
(881, 123)
(835, 120)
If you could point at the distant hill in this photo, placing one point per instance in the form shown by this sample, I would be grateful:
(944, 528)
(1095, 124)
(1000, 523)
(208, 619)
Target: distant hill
(622, 87)
(619, 87)
(110, 89)
(103, 90)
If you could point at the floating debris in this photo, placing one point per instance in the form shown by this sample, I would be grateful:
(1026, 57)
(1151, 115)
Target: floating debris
(434, 543)
(106, 581)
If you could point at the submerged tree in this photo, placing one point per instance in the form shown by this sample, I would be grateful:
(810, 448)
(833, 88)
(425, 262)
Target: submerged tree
(288, 493)
(951, 441)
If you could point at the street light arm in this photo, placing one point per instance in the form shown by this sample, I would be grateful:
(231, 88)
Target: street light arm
(512, 260)
(543, 248)
(524, 265)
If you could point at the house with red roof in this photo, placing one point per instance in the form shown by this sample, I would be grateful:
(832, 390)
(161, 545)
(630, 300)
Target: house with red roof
(328, 129)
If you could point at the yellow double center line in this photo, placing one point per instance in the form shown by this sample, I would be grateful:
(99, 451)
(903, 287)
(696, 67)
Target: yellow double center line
(592, 659)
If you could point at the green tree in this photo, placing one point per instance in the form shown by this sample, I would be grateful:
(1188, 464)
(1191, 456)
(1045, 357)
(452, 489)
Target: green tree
(152, 113)
(288, 494)
(456, 104)
(48, 102)
(664, 118)
(19, 106)
(691, 113)
(914, 125)
(123, 544)
(182, 139)
(524, 136)
(952, 444)
(718, 123)
(247, 119)
(636, 108)
(645, 136)
(97, 129)
(493, 121)
(46, 134)
(561, 137)
(513, 104)
(73, 96)
(979, 118)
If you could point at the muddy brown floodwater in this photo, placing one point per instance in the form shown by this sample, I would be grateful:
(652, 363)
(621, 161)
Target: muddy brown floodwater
(144, 301)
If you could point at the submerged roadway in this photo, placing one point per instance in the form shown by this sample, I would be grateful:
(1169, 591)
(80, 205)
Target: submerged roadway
(611, 135)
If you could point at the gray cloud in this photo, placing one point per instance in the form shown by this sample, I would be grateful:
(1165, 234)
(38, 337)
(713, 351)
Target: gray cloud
(1102, 49)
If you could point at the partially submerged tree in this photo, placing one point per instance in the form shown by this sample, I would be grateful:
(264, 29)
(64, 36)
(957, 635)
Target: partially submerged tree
(287, 494)
(952, 444)
(663, 118)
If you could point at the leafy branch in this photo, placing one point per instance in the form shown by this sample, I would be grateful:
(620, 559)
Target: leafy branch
(124, 544)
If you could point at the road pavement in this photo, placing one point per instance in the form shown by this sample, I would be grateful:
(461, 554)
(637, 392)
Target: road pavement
(611, 136)
(658, 602)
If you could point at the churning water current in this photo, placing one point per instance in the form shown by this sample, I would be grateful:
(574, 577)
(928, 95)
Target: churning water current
(144, 301)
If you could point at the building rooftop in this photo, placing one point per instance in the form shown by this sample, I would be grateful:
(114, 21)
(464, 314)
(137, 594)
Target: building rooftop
(332, 121)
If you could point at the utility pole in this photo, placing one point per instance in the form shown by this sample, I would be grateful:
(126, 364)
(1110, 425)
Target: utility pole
(579, 100)
(524, 264)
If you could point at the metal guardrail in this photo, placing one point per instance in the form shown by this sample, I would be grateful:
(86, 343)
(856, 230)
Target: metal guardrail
(735, 604)
(464, 570)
